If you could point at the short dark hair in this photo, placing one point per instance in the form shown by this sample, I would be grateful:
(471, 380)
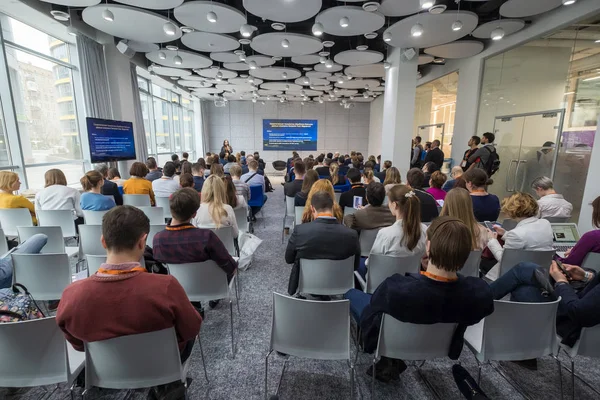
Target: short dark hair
(329, 155)
(438, 179)
(436, 143)
(354, 175)
(138, 169)
(476, 139)
(450, 243)
(186, 180)
(184, 203)
(253, 164)
(123, 226)
(489, 136)
(174, 157)
(415, 178)
(418, 139)
(322, 201)
(231, 158)
(197, 167)
(242, 153)
(201, 162)
(375, 194)
(299, 167)
(185, 155)
(151, 163)
(169, 169)
(387, 164)
(328, 161)
(341, 160)
(320, 158)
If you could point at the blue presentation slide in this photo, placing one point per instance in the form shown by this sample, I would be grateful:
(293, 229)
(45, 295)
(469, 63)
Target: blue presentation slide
(290, 134)
(110, 140)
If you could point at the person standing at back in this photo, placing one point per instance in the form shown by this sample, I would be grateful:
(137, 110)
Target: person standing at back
(473, 147)
(481, 157)
(291, 188)
(435, 155)
(109, 188)
(166, 185)
(429, 207)
(415, 161)
(551, 203)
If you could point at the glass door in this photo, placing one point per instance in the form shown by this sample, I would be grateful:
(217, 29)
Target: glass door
(509, 132)
(429, 133)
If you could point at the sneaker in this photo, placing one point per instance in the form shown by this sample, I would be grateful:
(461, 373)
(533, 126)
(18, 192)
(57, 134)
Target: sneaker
(388, 369)
(466, 384)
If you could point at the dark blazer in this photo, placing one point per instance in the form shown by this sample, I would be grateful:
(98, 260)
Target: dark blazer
(435, 155)
(429, 207)
(322, 171)
(323, 238)
(370, 218)
(291, 188)
(343, 170)
(347, 198)
(380, 175)
(112, 189)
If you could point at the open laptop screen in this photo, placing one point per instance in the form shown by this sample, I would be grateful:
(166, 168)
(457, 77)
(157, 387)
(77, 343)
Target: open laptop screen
(565, 233)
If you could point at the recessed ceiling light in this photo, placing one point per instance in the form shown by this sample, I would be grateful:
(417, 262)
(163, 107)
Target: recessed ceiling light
(568, 2)
(328, 63)
(426, 4)
(187, 29)
(253, 65)
(387, 36)
(285, 43)
(328, 43)
(371, 6)
(317, 29)
(246, 30)
(371, 35)
(174, 77)
(276, 58)
(211, 16)
(242, 57)
(362, 47)
(108, 15)
(278, 26)
(322, 59)
(245, 41)
(344, 22)
(416, 30)
(162, 55)
(324, 54)
(497, 34)
(178, 60)
(457, 25)
(172, 47)
(284, 75)
(438, 9)
(243, 76)
(239, 51)
(60, 15)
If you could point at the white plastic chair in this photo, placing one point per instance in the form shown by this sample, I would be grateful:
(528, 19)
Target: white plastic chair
(62, 218)
(55, 243)
(326, 277)
(298, 211)
(154, 214)
(35, 353)
(10, 218)
(136, 200)
(471, 267)
(337, 197)
(310, 329)
(382, 267)
(588, 345)
(513, 332)
(366, 239)
(591, 261)
(154, 229)
(93, 217)
(241, 217)
(44, 275)
(512, 257)
(225, 234)
(289, 211)
(349, 210)
(406, 341)
(3, 243)
(163, 202)
(134, 361)
(89, 240)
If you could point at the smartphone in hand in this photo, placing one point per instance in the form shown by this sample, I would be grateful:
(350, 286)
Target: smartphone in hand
(563, 269)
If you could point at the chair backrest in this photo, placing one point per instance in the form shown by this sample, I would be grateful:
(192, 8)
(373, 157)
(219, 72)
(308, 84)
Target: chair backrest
(509, 224)
(89, 240)
(256, 196)
(154, 229)
(44, 275)
(137, 200)
(225, 233)
(93, 217)
(408, 341)
(125, 362)
(557, 220)
(289, 205)
(241, 217)
(471, 267)
(55, 243)
(519, 331)
(10, 218)
(201, 281)
(154, 214)
(298, 211)
(326, 277)
(311, 329)
(349, 210)
(337, 196)
(382, 267)
(34, 353)
(94, 262)
(512, 257)
(588, 344)
(62, 218)
(163, 202)
(366, 239)
(3, 243)
(591, 261)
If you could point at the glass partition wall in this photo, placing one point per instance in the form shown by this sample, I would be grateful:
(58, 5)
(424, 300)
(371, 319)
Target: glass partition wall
(542, 100)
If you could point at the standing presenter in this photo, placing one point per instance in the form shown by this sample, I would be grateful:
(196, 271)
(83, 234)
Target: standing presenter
(226, 147)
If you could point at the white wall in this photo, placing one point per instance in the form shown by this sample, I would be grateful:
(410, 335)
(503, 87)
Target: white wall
(241, 122)
(376, 126)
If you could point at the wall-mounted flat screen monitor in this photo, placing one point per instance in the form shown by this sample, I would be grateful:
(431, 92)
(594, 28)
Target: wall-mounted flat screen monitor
(290, 134)
(110, 140)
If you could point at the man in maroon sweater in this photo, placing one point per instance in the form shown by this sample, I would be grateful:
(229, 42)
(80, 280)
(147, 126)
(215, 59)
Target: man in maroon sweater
(122, 298)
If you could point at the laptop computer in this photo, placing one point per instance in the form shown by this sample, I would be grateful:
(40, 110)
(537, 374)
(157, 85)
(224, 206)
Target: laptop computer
(565, 236)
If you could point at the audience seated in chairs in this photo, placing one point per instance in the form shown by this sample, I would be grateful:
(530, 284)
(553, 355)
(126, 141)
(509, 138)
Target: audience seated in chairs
(428, 169)
(387, 164)
(486, 206)
(115, 177)
(186, 180)
(291, 188)
(110, 188)
(9, 183)
(216, 169)
(436, 182)
(451, 297)
(166, 185)
(551, 203)
(323, 170)
(33, 245)
(310, 179)
(198, 174)
(233, 199)
(325, 186)
(137, 184)
(368, 176)
(374, 215)
(334, 175)
(122, 298)
(356, 189)
(56, 195)
(589, 241)
(154, 172)
(343, 168)
(92, 199)
(455, 173)
(323, 238)
(241, 188)
(458, 204)
(392, 178)
(214, 210)
(429, 207)
(254, 178)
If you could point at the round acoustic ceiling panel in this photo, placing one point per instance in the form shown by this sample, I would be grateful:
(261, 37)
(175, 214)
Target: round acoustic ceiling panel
(346, 92)
(275, 73)
(272, 44)
(359, 21)
(437, 29)
(189, 59)
(280, 86)
(244, 81)
(171, 71)
(142, 47)
(261, 61)
(510, 26)
(322, 88)
(310, 59)
(148, 26)
(212, 73)
(235, 88)
(267, 92)
(395, 8)
(458, 49)
(194, 83)
(318, 75)
(323, 68)
(207, 91)
(209, 42)
(195, 78)
(358, 84)
(520, 9)
(306, 92)
(356, 57)
(378, 89)
(366, 71)
(73, 3)
(425, 59)
(152, 4)
(238, 66)
(193, 13)
(225, 57)
(361, 99)
(284, 10)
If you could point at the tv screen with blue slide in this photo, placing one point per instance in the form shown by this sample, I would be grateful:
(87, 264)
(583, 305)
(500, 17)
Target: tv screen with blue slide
(290, 134)
(110, 140)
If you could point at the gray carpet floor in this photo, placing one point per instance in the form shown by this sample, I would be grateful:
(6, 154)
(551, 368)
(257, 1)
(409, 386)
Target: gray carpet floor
(242, 377)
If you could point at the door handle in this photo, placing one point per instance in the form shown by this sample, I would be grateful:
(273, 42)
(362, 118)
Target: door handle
(517, 174)
(508, 173)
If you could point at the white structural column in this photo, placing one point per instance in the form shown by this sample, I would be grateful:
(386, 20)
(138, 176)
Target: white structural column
(399, 109)
(592, 187)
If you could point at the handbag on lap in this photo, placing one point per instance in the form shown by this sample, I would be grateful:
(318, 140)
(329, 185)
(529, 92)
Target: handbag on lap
(17, 304)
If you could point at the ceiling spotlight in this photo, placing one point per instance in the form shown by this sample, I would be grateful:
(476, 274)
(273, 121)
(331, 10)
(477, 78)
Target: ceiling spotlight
(246, 30)
(344, 22)
(285, 43)
(60, 15)
(416, 30)
(108, 15)
(281, 99)
(170, 28)
(365, 95)
(262, 102)
(351, 97)
(242, 57)
(253, 64)
(287, 87)
(387, 37)
(178, 60)
(457, 25)
(306, 81)
(367, 87)
(426, 4)
(349, 76)
(340, 80)
(322, 59)
(320, 100)
(187, 29)
(162, 55)
(212, 17)
(284, 75)
(317, 29)
(219, 76)
(371, 6)
(497, 34)
(250, 79)
(329, 64)
(386, 65)
(254, 100)
(568, 2)
(301, 103)
(597, 41)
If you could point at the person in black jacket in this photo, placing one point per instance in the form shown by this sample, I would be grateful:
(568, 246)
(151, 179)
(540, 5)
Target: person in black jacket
(357, 189)
(438, 295)
(429, 207)
(291, 188)
(109, 188)
(435, 155)
(323, 238)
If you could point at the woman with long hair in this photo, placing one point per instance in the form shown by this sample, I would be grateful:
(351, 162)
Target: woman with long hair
(233, 199)
(309, 180)
(368, 176)
(93, 199)
(10, 183)
(458, 204)
(392, 178)
(115, 176)
(588, 243)
(334, 175)
(322, 185)
(226, 148)
(56, 195)
(214, 210)
(486, 206)
(216, 169)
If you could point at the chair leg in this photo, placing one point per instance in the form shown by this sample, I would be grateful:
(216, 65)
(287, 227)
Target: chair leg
(479, 374)
(373, 379)
(237, 297)
(573, 376)
(351, 380)
(231, 315)
(203, 360)
(266, 374)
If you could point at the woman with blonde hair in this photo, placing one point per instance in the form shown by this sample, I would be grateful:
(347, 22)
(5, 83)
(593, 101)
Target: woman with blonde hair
(56, 195)
(392, 178)
(9, 183)
(322, 185)
(458, 204)
(214, 210)
(334, 175)
(368, 176)
(93, 199)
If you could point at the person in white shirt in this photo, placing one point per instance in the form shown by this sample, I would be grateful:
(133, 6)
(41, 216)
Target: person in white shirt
(56, 195)
(551, 204)
(531, 233)
(214, 212)
(166, 185)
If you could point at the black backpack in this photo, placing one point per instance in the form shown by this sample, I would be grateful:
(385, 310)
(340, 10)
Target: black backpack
(493, 163)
